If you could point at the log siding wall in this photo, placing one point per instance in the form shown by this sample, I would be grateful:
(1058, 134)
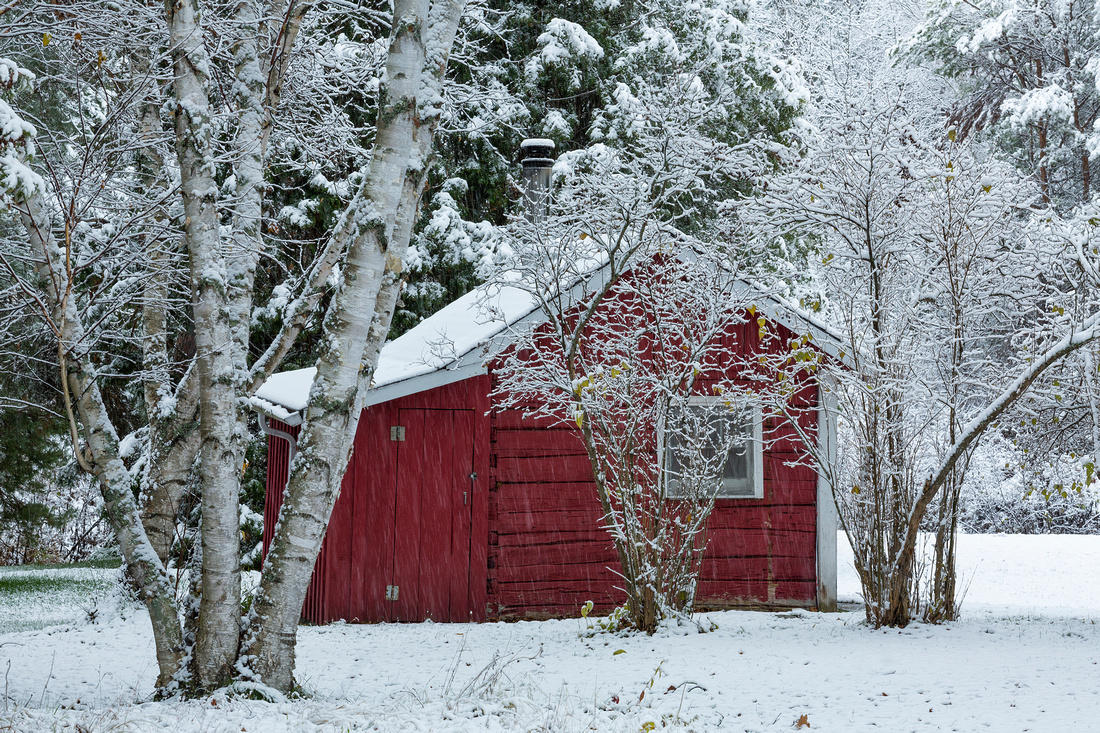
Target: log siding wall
(548, 554)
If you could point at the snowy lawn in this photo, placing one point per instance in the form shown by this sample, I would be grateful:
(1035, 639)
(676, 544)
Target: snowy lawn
(37, 597)
(1024, 658)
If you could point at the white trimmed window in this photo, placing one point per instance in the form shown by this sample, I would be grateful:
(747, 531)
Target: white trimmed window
(736, 431)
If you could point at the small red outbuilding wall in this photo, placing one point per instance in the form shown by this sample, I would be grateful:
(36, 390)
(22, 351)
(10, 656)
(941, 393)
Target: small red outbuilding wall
(454, 510)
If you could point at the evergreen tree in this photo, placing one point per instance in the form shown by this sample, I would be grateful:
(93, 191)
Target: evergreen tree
(1028, 81)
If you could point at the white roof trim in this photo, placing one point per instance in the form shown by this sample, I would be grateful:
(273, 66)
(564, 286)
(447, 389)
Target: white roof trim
(424, 382)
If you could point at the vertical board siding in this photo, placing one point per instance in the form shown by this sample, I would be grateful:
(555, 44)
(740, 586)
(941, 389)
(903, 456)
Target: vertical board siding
(479, 388)
(278, 472)
(278, 454)
(456, 579)
(364, 551)
(372, 503)
(431, 555)
(407, 540)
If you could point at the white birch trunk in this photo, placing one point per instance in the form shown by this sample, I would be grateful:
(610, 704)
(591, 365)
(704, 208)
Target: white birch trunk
(172, 441)
(120, 507)
(217, 367)
(249, 93)
(379, 220)
(159, 509)
(174, 438)
(173, 447)
(257, 95)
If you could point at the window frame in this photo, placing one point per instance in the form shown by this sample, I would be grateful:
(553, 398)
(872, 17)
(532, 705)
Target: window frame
(756, 446)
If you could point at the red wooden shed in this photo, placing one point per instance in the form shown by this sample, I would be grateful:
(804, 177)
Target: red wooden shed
(453, 509)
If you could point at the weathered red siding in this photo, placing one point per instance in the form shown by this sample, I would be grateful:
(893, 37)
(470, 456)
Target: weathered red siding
(532, 525)
(278, 460)
(548, 554)
(387, 530)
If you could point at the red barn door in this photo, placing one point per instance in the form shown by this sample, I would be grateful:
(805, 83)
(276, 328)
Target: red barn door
(431, 548)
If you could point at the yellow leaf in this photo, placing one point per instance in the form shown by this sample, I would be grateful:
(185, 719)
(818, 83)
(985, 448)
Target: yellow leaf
(46, 38)
(617, 652)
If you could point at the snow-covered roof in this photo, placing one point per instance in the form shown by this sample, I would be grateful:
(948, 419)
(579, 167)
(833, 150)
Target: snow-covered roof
(458, 341)
(441, 349)
(285, 394)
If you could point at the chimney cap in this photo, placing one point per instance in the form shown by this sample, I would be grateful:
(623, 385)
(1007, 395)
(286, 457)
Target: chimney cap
(536, 142)
(536, 152)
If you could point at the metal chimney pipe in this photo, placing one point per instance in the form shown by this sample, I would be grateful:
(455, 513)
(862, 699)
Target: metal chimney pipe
(537, 155)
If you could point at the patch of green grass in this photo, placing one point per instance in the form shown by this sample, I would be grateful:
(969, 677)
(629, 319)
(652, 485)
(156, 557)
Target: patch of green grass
(35, 583)
(100, 563)
(35, 596)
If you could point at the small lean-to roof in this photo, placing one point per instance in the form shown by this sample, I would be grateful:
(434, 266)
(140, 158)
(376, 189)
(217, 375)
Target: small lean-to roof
(459, 340)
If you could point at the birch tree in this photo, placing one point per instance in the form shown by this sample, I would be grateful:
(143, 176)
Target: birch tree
(54, 270)
(377, 227)
(198, 178)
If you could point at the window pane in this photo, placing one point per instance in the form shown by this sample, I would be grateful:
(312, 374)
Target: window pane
(737, 464)
(721, 427)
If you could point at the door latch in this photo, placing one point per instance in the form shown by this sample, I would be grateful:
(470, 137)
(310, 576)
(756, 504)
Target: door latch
(391, 592)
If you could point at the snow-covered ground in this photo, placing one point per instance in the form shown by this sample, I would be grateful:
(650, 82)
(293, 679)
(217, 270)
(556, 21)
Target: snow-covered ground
(55, 596)
(1024, 658)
